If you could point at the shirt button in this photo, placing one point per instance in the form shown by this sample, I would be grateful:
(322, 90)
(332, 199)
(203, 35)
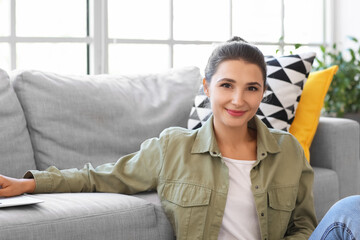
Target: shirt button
(263, 154)
(214, 153)
(262, 214)
(256, 187)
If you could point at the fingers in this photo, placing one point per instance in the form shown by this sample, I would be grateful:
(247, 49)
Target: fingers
(10, 186)
(4, 191)
(2, 181)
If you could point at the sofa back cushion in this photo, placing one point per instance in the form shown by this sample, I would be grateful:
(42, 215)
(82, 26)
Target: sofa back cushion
(78, 119)
(16, 155)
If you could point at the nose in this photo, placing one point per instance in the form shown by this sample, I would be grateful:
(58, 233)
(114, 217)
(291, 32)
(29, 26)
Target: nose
(238, 98)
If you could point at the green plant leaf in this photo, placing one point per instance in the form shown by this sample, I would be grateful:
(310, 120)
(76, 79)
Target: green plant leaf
(323, 49)
(352, 53)
(344, 91)
(352, 38)
(297, 45)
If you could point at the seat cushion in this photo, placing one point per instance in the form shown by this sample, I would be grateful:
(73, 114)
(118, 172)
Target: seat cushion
(326, 190)
(85, 216)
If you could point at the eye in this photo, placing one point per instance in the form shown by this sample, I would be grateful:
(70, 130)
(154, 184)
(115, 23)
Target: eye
(226, 85)
(253, 89)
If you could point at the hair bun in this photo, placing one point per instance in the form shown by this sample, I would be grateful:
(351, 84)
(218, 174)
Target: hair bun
(236, 39)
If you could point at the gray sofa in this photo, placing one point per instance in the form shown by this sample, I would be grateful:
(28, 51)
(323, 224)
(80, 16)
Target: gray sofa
(49, 119)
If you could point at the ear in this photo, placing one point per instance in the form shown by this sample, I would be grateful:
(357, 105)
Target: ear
(206, 88)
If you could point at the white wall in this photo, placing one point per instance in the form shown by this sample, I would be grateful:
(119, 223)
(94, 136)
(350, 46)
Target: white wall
(346, 21)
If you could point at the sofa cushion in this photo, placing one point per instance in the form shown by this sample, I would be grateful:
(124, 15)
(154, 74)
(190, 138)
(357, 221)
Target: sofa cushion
(286, 76)
(85, 216)
(309, 108)
(15, 145)
(78, 119)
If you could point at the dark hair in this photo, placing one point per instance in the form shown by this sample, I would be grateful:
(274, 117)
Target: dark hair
(235, 48)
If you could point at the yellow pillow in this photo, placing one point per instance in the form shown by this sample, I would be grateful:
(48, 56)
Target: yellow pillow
(311, 102)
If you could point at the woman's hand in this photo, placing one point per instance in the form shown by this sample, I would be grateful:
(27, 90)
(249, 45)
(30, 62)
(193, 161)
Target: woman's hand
(12, 187)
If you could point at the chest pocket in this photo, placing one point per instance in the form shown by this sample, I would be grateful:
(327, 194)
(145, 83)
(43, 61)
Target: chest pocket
(282, 201)
(186, 206)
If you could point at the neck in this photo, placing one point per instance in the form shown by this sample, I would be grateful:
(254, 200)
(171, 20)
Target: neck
(233, 137)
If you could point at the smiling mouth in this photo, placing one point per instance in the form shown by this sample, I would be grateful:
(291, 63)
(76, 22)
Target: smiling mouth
(235, 113)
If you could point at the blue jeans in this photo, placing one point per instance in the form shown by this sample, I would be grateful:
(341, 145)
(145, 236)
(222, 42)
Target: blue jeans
(342, 221)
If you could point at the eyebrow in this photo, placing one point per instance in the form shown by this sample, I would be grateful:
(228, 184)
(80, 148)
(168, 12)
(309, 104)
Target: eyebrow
(254, 83)
(233, 81)
(226, 80)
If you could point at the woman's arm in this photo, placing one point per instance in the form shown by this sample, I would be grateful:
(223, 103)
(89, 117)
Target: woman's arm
(130, 174)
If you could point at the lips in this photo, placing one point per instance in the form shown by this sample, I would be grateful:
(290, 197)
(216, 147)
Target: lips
(235, 113)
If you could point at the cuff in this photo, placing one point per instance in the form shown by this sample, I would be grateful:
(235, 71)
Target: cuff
(43, 180)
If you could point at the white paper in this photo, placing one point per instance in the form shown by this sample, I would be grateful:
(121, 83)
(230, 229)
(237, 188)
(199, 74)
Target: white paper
(18, 201)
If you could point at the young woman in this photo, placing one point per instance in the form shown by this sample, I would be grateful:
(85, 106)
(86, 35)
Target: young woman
(231, 179)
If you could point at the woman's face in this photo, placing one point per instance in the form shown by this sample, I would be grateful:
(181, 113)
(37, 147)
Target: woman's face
(235, 91)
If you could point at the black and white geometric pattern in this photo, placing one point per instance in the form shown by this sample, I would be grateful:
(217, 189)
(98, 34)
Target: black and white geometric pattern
(286, 76)
(200, 111)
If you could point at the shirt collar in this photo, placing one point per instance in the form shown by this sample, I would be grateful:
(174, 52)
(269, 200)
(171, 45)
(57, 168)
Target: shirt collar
(266, 141)
(206, 142)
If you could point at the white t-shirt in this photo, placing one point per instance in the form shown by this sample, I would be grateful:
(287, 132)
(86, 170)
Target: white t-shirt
(240, 219)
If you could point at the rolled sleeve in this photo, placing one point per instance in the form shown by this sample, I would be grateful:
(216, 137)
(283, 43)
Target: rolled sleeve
(43, 181)
(132, 173)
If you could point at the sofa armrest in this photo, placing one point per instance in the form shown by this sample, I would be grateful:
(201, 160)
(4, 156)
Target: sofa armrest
(336, 146)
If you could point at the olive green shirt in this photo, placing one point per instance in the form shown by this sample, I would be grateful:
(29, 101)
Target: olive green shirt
(192, 181)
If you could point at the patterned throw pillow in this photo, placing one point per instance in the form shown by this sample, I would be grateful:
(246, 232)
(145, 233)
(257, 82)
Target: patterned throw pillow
(286, 76)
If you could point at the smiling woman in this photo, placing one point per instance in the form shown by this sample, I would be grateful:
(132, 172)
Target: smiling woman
(205, 177)
(235, 83)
